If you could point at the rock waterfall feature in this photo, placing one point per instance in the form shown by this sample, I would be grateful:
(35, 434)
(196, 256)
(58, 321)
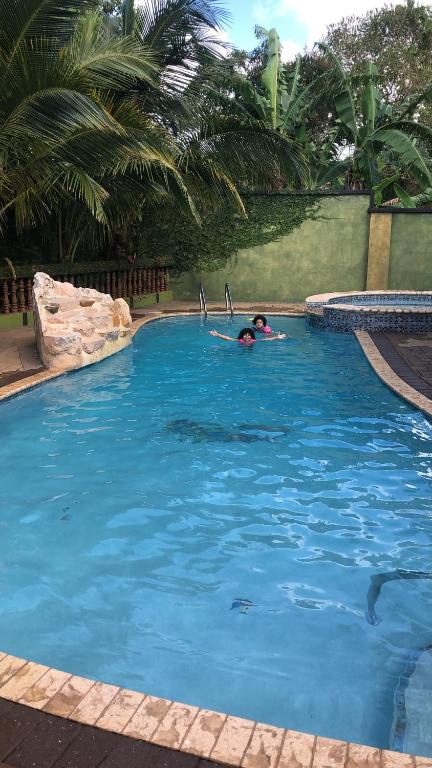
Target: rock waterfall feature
(77, 326)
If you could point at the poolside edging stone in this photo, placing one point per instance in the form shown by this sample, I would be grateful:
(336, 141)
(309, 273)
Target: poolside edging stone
(389, 377)
(210, 735)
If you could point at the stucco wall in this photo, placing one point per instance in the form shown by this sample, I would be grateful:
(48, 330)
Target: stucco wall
(411, 252)
(328, 254)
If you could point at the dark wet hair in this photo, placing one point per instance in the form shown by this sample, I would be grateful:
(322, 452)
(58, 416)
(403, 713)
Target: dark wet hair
(259, 317)
(245, 331)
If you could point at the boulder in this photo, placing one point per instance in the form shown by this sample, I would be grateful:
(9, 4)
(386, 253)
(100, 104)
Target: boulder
(77, 326)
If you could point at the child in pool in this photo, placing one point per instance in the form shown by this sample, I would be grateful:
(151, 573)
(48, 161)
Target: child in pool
(259, 323)
(247, 337)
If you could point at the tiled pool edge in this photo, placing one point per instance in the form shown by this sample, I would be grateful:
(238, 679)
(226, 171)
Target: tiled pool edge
(210, 735)
(389, 377)
(206, 734)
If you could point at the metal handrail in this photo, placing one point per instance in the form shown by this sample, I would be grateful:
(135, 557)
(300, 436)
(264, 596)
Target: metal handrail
(228, 300)
(202, 300)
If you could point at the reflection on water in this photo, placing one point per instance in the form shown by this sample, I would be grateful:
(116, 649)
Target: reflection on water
(198, 431)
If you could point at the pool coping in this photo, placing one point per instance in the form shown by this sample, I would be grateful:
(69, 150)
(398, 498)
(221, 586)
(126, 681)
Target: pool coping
(321, 299)
(386, 373)
(214, 736)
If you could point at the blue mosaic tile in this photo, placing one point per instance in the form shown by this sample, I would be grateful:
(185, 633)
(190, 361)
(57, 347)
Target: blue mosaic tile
(348, 321)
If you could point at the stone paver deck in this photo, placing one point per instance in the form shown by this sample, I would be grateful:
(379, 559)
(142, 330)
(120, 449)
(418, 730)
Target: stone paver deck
(18, 355)
(410, 356)
(404, 362)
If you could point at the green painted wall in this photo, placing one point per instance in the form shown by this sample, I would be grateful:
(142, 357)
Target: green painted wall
(411, 252)
(150, 298)
(327, 254)
(15, 320)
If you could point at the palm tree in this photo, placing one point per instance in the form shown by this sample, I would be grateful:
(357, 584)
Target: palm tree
(219, 147)
(277, 102)
(65, 133)
(96, 125)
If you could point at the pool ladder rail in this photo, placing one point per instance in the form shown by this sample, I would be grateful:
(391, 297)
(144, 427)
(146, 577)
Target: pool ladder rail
(202, 300)
(228, 300)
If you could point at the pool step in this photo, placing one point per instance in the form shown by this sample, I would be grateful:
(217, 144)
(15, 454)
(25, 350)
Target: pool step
(411, 730)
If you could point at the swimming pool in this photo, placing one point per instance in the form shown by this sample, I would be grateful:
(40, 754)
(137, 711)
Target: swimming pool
(201, 522)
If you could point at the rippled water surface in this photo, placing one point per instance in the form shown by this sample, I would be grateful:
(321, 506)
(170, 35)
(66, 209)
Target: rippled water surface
(201, 521)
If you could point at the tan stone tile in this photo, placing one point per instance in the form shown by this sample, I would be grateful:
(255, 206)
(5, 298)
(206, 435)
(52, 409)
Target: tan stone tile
(94, 703)
(396, 760)
(297, 750)
(29, 357)
(360, 756)
(264, 748)
(9, 665)
(68, 698)
(120, 711)
(423, 762)
(329, 753)
(146, 719)
(202, 735)
(22, 680)
(41, 692)
(175, 725)
(10, 360)
(233, 740)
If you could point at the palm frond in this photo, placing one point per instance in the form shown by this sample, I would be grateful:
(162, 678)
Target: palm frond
(93, 62)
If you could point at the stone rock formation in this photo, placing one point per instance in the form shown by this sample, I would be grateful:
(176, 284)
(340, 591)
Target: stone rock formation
(77, 326)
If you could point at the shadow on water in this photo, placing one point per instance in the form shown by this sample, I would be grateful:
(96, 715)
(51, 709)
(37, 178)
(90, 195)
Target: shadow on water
(377, 583)
(197, 431)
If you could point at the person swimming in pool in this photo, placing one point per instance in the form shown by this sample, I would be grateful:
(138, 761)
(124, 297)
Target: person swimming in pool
(247, 337)
(259, 323)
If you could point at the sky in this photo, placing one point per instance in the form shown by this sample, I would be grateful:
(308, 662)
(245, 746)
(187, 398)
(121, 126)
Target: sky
(299, 22)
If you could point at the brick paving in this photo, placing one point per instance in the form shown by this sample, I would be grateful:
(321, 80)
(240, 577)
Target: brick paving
(33, 739)
(410, 357)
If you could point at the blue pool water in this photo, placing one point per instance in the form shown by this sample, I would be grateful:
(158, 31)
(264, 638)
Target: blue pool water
(201, 521)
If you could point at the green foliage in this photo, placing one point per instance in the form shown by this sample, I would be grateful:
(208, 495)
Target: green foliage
(101, 117)
(398, 39)
(223, 233)
(59, 269)
(381, 142)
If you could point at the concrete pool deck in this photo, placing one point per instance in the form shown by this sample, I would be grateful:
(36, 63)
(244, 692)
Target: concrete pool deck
(53, 719)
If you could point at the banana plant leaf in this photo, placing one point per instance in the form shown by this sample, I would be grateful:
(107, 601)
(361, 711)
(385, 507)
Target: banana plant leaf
(403, 146)
(344, 100)
(333, 172)
(271, 75)
(406, 199)
(371, 99)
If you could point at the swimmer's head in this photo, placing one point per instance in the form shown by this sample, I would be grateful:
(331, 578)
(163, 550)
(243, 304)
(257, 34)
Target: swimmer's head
(246, 334)
(259, 321)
